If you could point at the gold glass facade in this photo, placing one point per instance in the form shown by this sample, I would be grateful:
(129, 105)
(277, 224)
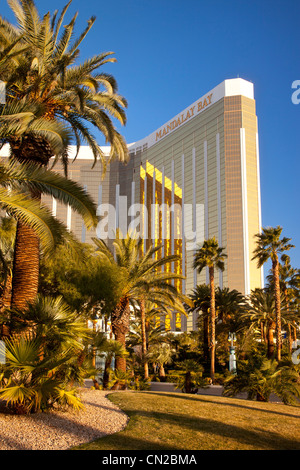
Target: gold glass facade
(163, 199)
(208, 165)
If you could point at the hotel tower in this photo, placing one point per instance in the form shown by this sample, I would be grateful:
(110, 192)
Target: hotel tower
(194, 178)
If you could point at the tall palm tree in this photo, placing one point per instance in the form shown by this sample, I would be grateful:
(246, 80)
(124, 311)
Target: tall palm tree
(212, 256)
(108, 349)
(230, 303)
(152, 332)
(141, 278)
(269, 245)
(289, 285)
(262, 317)
(46, 72)
(200, 297)
(51, 101)
(149, 309)
(15, 183)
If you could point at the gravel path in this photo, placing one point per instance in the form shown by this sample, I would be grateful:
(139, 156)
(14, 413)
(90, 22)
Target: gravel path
(62, 430)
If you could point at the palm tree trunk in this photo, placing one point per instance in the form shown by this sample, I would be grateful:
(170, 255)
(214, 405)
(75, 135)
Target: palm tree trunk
(206, 331)
(6, 295)
(120, 327)
(289, 324)
(270, 340)
(27, 248)
(6, 304)
(25, 280)
(212, 321)
(81, 358)
(188, 382)
(144, 338)
(94, 350)
(120, 363)
(294, 331)
(275, 269)
(162, 373)
(262, 331)
(105, 379)
(289, 338)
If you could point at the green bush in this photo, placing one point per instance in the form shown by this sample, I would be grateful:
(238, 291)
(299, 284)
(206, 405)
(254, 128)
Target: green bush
(188, 377)
(30, 383)
(260, 377)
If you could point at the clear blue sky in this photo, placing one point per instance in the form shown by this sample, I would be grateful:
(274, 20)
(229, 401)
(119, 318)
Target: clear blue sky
(171, 52)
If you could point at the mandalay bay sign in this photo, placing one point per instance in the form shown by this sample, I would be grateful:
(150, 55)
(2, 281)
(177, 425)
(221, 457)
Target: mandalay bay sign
(160, 221)
(184, 117)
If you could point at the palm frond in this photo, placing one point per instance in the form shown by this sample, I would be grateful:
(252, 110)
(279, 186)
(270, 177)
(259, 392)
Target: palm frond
(50, 231)
(60, 21)
(48, 182)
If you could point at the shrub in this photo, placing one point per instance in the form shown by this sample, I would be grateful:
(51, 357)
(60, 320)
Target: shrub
(188, 376)
(29, 384)
(260, 377)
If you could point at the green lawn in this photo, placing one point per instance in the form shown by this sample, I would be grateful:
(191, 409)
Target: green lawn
(170, 421)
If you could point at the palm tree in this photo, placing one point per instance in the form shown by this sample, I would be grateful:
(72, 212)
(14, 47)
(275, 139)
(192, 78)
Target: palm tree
(230, 303)
(141, 279)
(31, 384)
(18, 182)
(200, 297)
(212, 256)
(50, 102)
(147, 332)
(268, 246)
(289, 285)
(7, 239)
(260, 377)
(55, 323)
(160, 355)
(46, 73)
(188, 376)
(108, 349)
(262, 317)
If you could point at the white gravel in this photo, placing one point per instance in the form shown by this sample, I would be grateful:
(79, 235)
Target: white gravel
(61, 430)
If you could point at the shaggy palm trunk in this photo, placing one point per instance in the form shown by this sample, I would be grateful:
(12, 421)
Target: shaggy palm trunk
(289, 325)
(105, 379)
(275, 269)
(162, 373)
(289, 338)
(5, 304)
(94, 350)
(144, 338)
(270, 340)
(25, 280)
(294, 332)
(81, 358)
(206, 337)
(260, 397)
(262, 332)
(212, 323)
(120, 327)
(6, 295)
(188, 382)
(27, 250)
